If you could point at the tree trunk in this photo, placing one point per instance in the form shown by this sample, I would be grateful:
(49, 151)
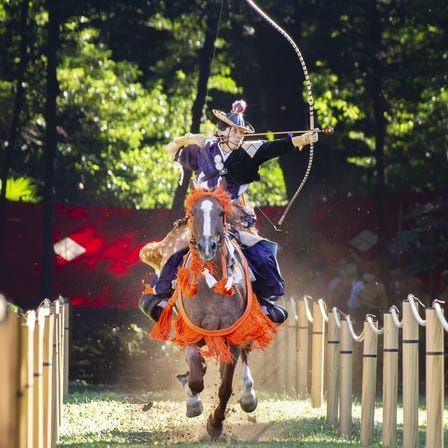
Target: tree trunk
(46, 279)
(18, 102)
(23, 59)
(379, 109)
(205, 59)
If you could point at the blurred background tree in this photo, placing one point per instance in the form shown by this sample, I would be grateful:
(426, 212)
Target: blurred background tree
(133, 74)
(128, 77)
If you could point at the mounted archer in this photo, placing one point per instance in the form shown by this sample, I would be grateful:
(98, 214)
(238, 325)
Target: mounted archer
(225, 160)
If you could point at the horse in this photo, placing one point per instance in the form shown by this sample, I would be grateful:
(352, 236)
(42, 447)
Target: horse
(218, 315)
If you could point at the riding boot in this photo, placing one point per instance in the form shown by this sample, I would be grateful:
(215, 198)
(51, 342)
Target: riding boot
(277, 313)
(152, 305)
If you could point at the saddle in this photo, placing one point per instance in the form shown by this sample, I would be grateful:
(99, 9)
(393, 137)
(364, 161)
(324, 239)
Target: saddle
(157, 253)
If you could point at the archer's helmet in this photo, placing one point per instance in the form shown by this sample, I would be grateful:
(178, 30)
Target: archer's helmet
(234, 118)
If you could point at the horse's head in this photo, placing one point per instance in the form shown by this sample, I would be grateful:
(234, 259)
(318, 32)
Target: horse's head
(207, 210)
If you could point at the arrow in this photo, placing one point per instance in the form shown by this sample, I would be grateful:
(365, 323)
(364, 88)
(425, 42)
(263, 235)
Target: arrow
(324, 131)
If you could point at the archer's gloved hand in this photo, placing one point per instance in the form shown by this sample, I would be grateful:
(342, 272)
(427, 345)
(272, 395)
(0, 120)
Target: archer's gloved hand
(187, 139)
(299, 141)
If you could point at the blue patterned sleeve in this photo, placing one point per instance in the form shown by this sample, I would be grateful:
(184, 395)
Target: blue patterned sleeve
(188, 157)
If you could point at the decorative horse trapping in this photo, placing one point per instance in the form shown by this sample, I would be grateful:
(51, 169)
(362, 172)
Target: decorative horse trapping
(217, 313)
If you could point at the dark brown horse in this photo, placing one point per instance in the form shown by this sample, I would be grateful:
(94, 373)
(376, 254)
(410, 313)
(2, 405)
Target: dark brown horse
(217, 314)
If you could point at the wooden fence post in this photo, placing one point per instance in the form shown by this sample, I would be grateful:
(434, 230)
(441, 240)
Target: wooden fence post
(48, 375)
(32, 360)
(434, 380)
(55, 310)
(345, 381)
(290, 347)
(61, 362)
(410, 377)
(9, 374)
(317, 357)
(38, 386)
(302, 371)
(276, 379)
(390, 381)
(332, 369)
(369, 365)
(26, 380)
(66, 345)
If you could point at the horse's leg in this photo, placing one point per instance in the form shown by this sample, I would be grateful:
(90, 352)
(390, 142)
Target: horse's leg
(193, 381)
(248, 400)
(215, 419)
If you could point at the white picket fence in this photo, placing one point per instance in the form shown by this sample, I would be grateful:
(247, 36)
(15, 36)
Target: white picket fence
(321, 361)
(33, 373)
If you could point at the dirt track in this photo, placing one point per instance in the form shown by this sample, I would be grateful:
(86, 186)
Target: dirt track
(271, 421)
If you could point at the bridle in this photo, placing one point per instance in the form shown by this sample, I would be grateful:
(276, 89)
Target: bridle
(222, 235)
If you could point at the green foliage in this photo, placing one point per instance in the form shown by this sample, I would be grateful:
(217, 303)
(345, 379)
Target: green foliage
(424, 243)
(102, 100)
(417, 118)
(126, 124)
(379, 55)
(128, 74)
(6, 99)
(334, 103)
(21, 189)
(271, 189)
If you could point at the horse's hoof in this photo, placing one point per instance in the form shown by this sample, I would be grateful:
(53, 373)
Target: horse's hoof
(248, 402)
(213, 431)
(194, 406)
(183, 378)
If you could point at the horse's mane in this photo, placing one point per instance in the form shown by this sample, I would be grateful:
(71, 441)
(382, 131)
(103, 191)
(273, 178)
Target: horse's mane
(219, 193)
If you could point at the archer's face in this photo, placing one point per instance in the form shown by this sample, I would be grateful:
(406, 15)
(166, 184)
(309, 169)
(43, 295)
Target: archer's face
(233, 137)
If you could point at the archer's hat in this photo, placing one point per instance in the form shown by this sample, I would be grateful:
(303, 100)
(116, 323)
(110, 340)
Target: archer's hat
(235, 117)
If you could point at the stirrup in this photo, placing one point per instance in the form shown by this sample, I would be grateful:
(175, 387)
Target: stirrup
(277, 313)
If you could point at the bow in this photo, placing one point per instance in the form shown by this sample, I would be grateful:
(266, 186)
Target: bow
(277, 27)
